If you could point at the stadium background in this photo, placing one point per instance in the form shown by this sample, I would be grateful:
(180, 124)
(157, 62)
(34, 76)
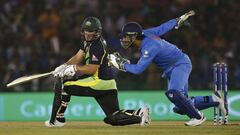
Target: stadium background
(38, 35)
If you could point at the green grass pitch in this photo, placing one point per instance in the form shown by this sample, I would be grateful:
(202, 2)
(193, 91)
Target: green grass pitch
(99, 128)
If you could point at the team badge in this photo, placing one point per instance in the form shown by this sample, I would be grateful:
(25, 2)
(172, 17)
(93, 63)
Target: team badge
(94, 58)
(145, 54)
(88, 23)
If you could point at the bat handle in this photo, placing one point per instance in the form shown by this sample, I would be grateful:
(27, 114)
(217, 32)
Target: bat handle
(62, 82)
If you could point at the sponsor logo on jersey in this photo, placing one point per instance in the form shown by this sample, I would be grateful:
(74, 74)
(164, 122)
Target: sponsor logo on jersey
(94, 58)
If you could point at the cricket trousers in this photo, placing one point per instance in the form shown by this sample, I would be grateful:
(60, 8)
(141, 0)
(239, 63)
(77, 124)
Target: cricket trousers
(106, 97)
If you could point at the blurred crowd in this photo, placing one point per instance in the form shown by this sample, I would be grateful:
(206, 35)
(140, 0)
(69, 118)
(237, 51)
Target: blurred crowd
(38, 35)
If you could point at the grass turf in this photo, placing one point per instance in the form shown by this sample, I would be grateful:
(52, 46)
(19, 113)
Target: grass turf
(99, 128)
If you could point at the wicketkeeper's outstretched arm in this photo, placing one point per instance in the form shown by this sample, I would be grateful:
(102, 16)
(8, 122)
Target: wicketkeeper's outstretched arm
(169, 25)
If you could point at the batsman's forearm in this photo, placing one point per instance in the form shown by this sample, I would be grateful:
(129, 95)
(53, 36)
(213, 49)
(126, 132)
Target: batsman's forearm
(74, 60)
(89, 69)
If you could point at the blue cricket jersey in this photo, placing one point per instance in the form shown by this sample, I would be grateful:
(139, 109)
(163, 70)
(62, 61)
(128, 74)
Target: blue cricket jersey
(154, 49)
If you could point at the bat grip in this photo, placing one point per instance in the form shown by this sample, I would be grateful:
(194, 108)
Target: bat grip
(62, 83)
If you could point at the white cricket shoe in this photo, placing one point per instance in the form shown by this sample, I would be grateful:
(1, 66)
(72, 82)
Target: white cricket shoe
(56, 123)
(144, 113)
(196, 122)
(217, 97)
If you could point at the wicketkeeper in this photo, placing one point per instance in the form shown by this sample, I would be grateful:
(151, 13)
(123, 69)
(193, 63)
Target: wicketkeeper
(176, 65)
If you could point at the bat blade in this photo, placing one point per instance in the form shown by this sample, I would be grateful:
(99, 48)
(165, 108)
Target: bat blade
(27, 78)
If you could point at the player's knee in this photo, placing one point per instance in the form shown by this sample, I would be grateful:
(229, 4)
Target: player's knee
(178, 111)
(65, 96)
(171, 94)
(112, 119)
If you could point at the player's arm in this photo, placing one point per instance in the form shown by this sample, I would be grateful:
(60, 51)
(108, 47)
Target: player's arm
(72, 64)
(77, 58)
(88, 69)
(162, 29)
(169, 25)
(71, 70)
(144, 61)
(85, 69)
(96, 55)
(124, 65)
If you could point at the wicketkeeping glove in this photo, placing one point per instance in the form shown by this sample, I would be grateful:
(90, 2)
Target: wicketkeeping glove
(117, 61)
(182, 19)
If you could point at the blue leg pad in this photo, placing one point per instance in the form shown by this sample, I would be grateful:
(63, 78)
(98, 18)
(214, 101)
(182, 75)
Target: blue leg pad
(203, 102)
(179, 111)
(200, 102)
(182, 102)
(202, 106)
(199, 106)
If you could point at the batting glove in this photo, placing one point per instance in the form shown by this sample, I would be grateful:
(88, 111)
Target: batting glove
(58, 70)
(69, 71)
(182, 19)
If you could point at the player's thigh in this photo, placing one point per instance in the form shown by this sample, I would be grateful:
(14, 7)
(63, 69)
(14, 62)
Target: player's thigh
(108, 100)
(179, 77)
(73, 87)
(76, 90)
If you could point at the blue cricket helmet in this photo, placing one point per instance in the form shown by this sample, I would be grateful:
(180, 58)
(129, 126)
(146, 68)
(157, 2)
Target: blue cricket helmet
(133, 30)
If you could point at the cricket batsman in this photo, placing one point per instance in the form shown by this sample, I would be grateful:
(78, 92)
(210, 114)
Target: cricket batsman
(87, 73)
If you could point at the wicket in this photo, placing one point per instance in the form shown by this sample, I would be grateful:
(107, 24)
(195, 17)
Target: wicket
(220, 84)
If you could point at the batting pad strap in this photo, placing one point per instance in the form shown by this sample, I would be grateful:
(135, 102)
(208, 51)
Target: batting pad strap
(121, 118)
(64, 104)
(60, 115)
(94, 83)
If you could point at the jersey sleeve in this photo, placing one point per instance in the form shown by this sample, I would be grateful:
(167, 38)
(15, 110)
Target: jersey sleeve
(162, 29)
(96, 54)
(147, 55)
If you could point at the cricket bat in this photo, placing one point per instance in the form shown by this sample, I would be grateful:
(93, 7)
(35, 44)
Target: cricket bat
(24, 79)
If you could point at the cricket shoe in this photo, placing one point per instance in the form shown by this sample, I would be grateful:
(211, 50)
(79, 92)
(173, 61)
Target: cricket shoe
(217, 97)
(196, 122)
(55, 124)
(144, 113)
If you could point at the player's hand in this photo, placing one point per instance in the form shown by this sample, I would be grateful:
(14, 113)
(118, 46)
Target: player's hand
(183, 19)
(117, 61)
(69, 71)
(58, 70)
